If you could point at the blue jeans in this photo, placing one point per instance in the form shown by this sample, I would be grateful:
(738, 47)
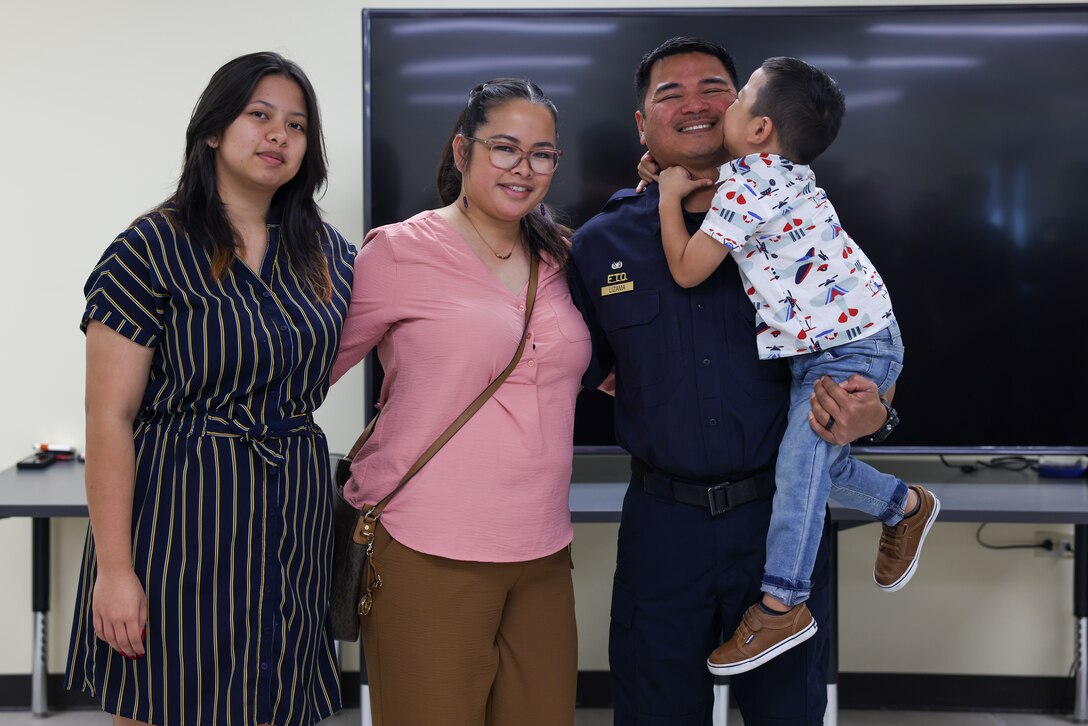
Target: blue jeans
(809, 470)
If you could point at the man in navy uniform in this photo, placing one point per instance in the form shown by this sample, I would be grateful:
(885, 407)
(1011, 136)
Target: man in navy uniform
(702, 417)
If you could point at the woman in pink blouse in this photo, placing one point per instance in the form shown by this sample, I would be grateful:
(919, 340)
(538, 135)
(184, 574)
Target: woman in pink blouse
(474, 621)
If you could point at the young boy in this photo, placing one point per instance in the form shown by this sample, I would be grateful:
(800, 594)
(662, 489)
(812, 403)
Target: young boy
(820, 302)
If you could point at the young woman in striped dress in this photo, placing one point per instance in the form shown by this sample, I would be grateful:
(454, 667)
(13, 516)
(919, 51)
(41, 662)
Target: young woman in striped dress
(212, 323)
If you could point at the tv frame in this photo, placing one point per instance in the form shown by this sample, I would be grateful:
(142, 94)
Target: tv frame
(597, 451)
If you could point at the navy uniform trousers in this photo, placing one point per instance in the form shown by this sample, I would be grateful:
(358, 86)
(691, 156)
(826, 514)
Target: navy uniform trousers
(673, 597)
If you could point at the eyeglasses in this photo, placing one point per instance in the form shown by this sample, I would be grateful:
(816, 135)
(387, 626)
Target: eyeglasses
(505, 155)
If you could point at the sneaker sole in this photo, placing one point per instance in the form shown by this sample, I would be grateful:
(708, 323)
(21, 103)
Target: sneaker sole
(744, 666)
(905, 577)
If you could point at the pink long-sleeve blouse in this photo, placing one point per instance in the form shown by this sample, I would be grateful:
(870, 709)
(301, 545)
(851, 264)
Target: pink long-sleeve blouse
(444, 327)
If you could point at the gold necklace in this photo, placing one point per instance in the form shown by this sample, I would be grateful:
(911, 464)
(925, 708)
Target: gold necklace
(477, 231)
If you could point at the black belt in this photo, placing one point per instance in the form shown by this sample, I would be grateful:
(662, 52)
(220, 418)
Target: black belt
(718, 497)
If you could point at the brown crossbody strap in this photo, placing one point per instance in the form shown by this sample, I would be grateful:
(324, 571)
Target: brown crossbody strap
(375, 511)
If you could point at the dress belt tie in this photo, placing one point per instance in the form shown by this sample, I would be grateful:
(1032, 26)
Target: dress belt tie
(236, 420)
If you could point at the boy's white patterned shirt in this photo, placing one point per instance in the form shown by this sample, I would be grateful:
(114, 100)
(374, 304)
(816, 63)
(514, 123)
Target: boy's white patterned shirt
(812, 286)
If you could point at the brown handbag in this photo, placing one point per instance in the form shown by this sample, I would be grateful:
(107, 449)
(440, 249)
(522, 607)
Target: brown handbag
(354, 579)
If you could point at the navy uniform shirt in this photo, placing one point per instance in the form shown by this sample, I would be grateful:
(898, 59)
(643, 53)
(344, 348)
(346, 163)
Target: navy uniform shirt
(692, 397)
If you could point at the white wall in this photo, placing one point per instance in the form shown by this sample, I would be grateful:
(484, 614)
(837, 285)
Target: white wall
(94, 100)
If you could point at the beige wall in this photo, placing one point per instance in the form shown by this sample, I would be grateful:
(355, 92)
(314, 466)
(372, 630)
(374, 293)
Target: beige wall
(94, 99)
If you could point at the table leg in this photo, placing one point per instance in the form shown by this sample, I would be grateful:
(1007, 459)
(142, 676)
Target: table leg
(721, 701)
(831, 715)
(1080, 704)
(364, 689)
(39, 705)
(1080, 614)
(364, 704)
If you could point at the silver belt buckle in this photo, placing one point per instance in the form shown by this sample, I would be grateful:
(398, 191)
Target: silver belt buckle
(715, 510)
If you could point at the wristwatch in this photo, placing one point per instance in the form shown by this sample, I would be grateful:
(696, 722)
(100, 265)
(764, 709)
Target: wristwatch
(884, 431)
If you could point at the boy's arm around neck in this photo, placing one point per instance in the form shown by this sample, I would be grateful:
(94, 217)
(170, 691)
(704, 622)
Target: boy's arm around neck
(691, 258)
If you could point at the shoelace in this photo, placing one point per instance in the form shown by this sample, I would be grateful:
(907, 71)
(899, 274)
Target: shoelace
(893, 539)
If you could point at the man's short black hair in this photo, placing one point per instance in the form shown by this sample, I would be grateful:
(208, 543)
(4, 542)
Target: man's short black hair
(679, 46)
(805, 104)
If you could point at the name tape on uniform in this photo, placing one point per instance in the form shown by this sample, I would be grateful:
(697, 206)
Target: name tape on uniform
(617, 283)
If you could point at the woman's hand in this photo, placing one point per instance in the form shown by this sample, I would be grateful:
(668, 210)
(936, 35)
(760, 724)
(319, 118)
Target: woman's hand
(119, 607)
(844, 412)
(117, 374)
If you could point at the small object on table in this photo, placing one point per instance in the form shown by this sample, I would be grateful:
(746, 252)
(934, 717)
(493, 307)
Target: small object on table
(37, 460)
(1062, 467)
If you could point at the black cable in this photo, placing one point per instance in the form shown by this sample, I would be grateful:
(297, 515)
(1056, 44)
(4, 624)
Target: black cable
(965, 468)
(1047, 545)
(1006, 463)
(1075, 666)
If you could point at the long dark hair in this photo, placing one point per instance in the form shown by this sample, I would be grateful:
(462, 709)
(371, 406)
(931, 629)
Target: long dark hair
(542, 230)
(196, 204)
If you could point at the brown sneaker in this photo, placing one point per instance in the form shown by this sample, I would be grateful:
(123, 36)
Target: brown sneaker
(760, 637)
(901, 545)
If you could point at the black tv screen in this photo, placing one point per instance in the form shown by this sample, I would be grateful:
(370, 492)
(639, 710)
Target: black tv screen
(960, 169)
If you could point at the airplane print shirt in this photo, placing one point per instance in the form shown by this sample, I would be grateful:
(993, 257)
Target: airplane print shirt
(812, 286)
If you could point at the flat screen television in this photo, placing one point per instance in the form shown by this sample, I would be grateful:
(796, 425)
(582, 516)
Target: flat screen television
(960, 169)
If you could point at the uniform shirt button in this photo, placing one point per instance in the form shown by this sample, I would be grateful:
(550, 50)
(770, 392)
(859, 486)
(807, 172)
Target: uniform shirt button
(264, 666)
(532, 364)
(266, 294)
(706, 361)
(699, 305)
(713, 422)
(521, 308)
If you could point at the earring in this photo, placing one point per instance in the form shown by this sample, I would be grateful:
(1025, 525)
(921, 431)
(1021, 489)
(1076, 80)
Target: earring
(464, 201)
(543, 210)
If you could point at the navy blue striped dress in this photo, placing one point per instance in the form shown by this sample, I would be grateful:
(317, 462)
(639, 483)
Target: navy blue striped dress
(231, 519)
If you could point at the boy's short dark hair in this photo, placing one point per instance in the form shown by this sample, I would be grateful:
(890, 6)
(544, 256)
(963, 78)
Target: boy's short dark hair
(679, 46)
(805, 104)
